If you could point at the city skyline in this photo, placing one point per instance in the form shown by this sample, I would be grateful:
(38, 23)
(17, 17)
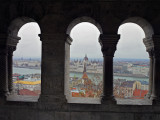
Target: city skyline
(80, 58)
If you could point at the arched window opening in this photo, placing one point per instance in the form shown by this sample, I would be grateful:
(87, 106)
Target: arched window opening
(26, 64)
(131, 66)
(86, 65)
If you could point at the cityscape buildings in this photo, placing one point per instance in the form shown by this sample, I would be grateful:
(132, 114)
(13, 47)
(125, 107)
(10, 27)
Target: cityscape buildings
(90, 82)
(130, 78)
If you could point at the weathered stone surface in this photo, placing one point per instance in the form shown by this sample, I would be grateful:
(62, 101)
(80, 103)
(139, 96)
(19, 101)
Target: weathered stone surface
(80, 116)
(62, 116)
(56, 20)
(20, 114)
(45, 115)
(116, 116)
(147, 116)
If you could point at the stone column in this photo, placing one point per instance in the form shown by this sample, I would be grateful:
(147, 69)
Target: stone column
(149, 48)
(150, 75)
(3, 72)
(12, 42)
(11, 49)
(108, 43)
(67, 67)
(156, 70)
(150, 52)
(3, 67)
(53, 68)
(156, 77)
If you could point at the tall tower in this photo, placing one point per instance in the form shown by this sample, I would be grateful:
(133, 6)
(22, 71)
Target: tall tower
(85, 76)
(84, 68)
(85, 59)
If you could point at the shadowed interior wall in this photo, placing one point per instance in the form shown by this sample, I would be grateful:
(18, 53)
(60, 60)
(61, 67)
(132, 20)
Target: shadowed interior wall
(54, 19)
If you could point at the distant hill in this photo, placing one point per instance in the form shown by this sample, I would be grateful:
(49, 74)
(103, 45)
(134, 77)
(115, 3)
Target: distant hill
(97, 59)
(130, 60)
(31, 58)
(115, 59)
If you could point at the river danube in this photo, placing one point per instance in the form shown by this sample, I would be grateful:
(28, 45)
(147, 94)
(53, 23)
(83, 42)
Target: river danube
(72, 74)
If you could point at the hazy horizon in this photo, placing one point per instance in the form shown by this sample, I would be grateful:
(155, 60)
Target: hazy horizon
(81, 58)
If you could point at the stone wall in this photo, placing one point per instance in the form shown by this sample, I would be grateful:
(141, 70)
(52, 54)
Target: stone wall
(56, 19)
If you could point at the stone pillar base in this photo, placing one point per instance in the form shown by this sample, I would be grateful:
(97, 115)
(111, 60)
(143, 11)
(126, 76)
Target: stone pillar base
(4, 93)
(156, 102)
(3, 97)
(13, 92)
(108, 100)
(148, 96)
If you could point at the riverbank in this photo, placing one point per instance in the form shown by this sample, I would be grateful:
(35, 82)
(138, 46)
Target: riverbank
(130, 75)
(116, 74)
(78, 74)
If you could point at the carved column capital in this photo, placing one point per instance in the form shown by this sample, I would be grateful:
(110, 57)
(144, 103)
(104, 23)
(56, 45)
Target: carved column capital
(53, 65)
(108, 44)
(148, 43)
(153, 46)
(151, 52)
(11, 49)
(12, 40)
(156, 65)
(69, 40)
(156, 42)
(7, 50)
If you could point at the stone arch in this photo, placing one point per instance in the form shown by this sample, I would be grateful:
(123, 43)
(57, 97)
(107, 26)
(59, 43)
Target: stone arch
(67, 58)
(14, 28)
(147, 28)
(12, 41)
(83, 19)
(149, 44)
(144, 24)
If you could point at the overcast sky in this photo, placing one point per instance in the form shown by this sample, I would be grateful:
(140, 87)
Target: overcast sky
(131, 43)
(30, 45)
(85, 41)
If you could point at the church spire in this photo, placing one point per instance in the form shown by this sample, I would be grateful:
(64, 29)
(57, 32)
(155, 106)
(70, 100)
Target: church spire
(85, 58)
(84, 70)
(85, 76)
